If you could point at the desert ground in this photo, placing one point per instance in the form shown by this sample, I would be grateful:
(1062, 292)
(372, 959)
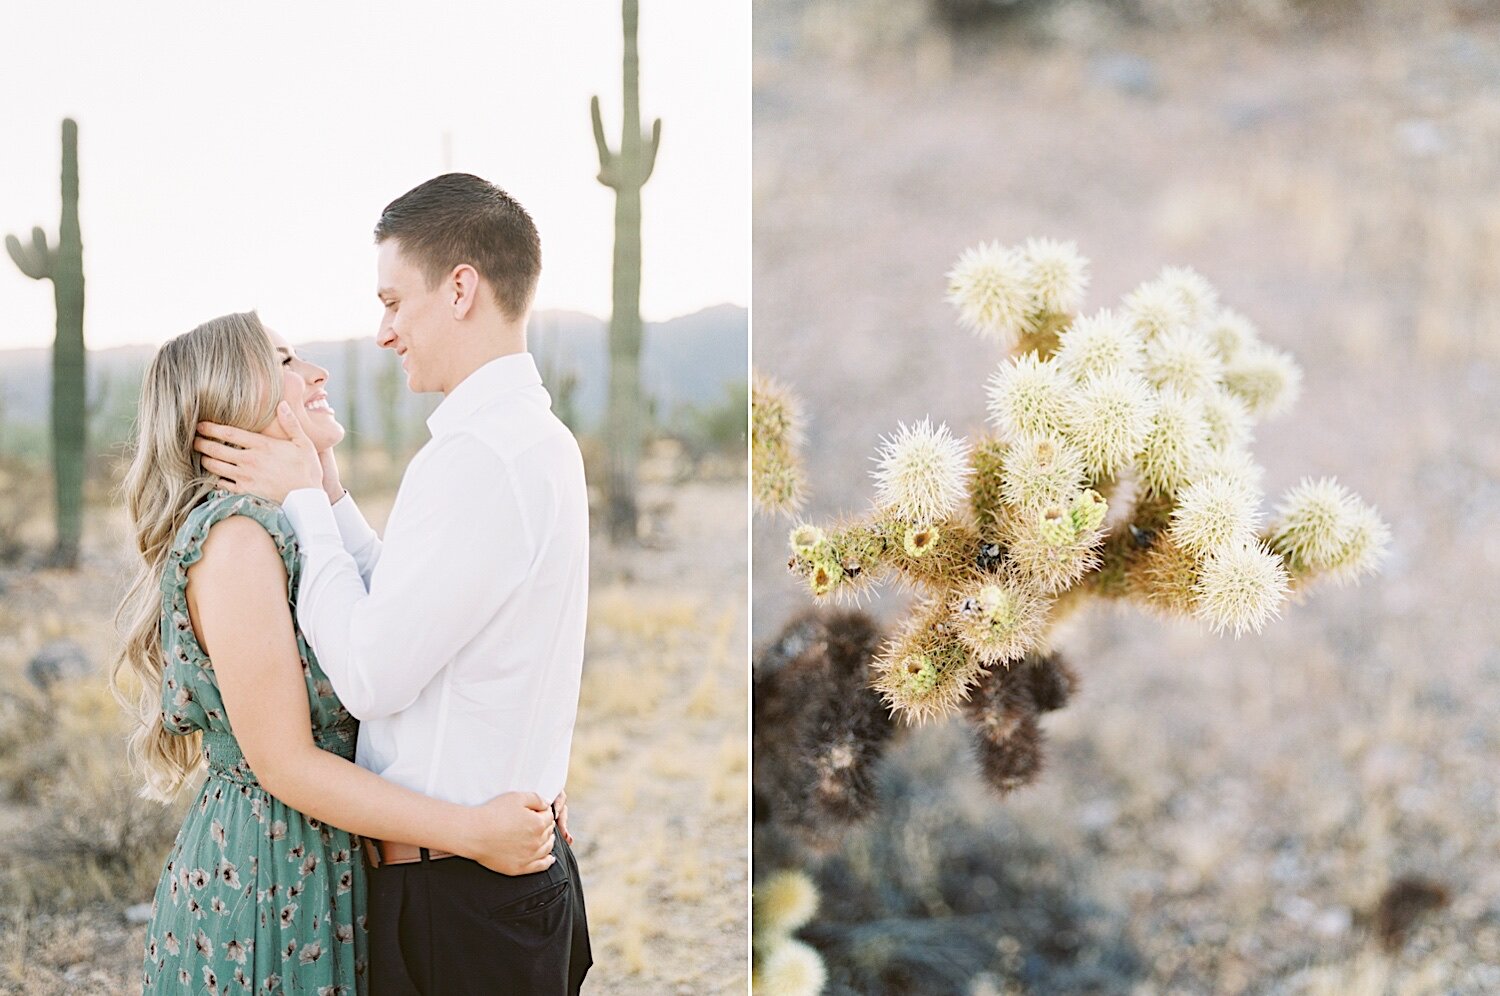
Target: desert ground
(657, 786)
(1217, 815)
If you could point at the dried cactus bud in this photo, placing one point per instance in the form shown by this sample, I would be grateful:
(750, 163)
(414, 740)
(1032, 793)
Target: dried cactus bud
(918, 540)
(807, 540)
(825, 576)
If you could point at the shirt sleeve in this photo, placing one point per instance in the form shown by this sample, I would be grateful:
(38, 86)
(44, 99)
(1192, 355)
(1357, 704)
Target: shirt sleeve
(458, 544)
(362, 542)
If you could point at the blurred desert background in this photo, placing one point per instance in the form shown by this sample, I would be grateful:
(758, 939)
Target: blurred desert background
(656, 787)
(639, 333)
(1309, 811)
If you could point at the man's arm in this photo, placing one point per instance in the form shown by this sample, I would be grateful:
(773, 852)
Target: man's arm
(361, 541)
(461, 545)
(243, 621)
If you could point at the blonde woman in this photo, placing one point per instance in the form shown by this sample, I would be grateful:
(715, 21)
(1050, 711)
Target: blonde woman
(263, 890)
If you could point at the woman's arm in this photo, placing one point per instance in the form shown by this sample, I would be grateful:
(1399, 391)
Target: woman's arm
(359, 539)
(237, 600)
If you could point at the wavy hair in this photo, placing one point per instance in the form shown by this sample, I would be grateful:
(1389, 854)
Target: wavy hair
(223, 371)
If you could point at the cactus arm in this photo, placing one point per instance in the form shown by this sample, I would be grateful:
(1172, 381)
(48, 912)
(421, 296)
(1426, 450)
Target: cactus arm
(34, 260)
(608, 171)
(648, 157)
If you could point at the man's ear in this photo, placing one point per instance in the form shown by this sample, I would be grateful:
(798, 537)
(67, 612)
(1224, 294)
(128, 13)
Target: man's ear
(464, 286)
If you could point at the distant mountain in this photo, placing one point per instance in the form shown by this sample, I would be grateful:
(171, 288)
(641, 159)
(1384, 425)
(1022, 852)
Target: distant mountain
(694, 359)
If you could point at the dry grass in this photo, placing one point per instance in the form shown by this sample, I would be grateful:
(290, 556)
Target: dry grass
(659, 778)
(657, 789)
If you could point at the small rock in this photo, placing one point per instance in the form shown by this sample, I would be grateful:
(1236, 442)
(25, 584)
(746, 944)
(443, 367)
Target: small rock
(1128, 74)
(59, 660)
(1333, 922)
(138, 914)
(1422, 138)
(1098, 815)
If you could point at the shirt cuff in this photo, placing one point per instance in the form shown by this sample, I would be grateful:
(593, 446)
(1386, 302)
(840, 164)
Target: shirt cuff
(311, 517)
(351, 522)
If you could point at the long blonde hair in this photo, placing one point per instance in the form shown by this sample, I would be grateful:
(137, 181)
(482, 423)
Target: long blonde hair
(223, 371)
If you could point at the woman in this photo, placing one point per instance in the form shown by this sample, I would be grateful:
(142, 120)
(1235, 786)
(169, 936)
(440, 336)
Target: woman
(263, 890)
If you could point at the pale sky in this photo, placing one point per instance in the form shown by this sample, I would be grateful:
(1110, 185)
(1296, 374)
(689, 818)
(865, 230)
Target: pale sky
(238, 155)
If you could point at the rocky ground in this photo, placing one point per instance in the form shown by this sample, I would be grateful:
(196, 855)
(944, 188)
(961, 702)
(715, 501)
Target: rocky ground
(1217, 816)
(657, 789)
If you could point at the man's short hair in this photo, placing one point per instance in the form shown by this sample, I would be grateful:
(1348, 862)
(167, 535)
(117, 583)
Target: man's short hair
(459, 218)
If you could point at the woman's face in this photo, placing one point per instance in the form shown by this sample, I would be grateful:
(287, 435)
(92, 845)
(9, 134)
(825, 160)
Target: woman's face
(303, 386)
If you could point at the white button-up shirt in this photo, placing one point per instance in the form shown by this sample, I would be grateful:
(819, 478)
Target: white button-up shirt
(458, 641)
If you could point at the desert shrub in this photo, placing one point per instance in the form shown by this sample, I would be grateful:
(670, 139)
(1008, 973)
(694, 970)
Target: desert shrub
(713, 429)
(87, 835)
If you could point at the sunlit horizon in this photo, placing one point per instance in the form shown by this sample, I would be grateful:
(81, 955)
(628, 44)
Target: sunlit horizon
(239, 158)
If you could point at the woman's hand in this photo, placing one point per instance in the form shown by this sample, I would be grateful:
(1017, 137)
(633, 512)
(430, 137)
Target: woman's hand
(513, 834)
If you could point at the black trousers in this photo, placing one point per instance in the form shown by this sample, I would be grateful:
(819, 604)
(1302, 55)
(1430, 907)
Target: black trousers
(452, 927)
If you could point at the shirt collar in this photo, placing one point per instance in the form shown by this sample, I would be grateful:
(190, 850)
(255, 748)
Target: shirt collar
(500, 376)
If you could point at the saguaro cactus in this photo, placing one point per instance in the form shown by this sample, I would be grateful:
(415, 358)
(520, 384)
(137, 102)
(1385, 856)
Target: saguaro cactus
(625, 172)
(63, 265)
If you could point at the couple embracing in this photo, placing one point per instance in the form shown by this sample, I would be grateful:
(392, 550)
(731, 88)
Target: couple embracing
(385, 722)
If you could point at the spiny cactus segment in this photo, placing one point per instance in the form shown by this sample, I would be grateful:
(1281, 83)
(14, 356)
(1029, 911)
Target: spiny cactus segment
(783, 903)
(777, 482)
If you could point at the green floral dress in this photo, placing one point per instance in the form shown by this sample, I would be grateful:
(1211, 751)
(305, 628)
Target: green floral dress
(255, 896)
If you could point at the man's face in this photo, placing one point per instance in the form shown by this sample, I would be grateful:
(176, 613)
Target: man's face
(416, 319)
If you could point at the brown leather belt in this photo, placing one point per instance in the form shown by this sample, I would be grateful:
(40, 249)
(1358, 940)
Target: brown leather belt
(393, 852)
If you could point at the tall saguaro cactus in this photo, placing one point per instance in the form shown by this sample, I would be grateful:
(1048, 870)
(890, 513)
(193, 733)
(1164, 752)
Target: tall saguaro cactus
(625, 172)
(63, 265)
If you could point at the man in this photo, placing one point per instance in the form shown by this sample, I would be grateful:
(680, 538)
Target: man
(458, 640)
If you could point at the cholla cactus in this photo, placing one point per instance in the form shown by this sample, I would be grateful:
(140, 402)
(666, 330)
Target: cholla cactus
(782, 965)
(1117, 466)
(775, 434)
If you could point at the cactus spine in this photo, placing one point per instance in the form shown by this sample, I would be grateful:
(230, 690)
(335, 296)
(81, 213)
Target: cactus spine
(63, 265)
(625, 172)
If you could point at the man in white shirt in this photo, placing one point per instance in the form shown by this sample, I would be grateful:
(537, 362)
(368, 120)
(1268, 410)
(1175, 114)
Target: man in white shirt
(458, 639)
